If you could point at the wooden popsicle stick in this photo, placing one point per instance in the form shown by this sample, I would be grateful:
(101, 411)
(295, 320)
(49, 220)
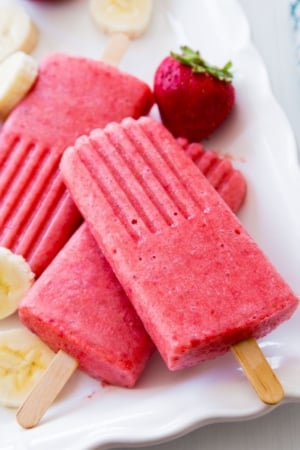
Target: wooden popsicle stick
(258, 371)
(46, 390)
(115, 49)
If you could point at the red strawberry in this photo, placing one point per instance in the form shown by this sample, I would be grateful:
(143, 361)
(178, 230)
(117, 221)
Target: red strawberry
(193, 98)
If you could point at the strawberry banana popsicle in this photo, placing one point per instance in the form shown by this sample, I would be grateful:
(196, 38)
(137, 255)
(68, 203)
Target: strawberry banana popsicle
(78, 306)
(196, 278)
(71, 97)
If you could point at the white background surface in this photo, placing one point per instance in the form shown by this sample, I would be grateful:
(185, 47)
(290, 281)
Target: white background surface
(280, 429)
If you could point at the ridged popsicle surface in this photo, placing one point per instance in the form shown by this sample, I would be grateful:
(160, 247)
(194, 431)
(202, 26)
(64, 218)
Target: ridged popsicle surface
(71, 97)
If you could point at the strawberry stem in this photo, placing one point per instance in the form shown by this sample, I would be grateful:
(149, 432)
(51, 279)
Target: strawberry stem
(194, 59)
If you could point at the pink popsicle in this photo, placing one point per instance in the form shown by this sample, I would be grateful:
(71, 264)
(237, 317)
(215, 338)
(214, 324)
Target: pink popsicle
(78, 306)
(196, 278)
(71, 97)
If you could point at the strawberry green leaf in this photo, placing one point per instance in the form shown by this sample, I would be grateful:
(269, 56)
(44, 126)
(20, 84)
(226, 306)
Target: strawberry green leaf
(194, 59)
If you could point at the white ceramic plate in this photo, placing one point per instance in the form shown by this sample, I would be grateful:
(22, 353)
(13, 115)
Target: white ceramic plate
(258, 138)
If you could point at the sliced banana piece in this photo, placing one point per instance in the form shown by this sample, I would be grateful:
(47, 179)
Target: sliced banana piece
(23, 359)
(16, 278)
(130, 17)
(17, 74)
(17, 31)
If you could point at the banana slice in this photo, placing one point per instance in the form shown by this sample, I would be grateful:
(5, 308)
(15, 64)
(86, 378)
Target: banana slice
(17, 31)
(15, 280)
(130, 17)
(17, 74)
(23, 359)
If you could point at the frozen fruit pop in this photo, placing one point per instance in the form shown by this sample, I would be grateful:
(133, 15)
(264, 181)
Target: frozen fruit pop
(72, 96)
(196, 278)
(77, 306)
